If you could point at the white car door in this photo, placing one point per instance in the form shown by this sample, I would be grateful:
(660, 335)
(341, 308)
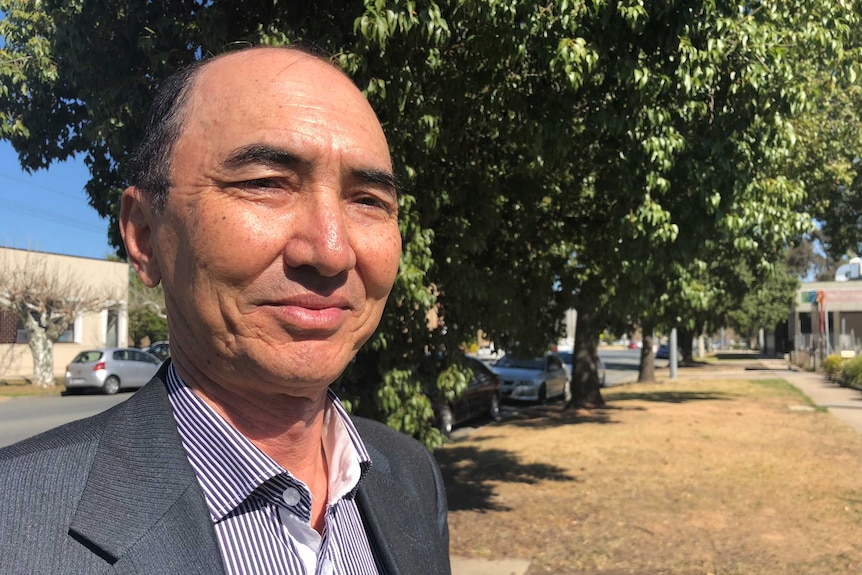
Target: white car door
(556, 376)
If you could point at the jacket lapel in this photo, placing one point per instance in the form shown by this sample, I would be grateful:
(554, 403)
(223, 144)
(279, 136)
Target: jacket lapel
(382, 533)
(141, 505)
(400, 517)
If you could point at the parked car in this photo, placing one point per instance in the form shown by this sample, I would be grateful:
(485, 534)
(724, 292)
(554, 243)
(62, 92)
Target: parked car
(663, 352)
(111, 369)
(635, 344)
(568, 358)
(160, 349)
(533, 379)
(481, 398)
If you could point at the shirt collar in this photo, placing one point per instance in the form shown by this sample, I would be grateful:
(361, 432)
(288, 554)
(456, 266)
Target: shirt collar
(230, 468)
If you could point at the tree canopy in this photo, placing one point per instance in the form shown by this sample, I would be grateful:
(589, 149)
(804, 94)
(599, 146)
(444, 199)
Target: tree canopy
(616, 156)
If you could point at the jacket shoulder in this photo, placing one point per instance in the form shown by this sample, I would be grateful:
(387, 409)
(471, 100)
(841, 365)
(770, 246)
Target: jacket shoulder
(403, 501)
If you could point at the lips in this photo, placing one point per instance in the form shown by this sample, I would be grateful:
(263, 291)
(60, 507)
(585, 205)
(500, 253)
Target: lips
(311, 313)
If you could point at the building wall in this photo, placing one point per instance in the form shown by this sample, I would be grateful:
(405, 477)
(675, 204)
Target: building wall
(840, 328)
(90, 330)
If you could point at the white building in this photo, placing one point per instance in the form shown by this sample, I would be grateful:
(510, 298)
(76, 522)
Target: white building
(827, 317)
(105, 328)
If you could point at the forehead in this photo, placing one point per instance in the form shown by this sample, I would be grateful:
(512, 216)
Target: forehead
(281, 97)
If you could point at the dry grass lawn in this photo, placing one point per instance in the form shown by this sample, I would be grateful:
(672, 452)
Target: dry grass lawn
(723, 477)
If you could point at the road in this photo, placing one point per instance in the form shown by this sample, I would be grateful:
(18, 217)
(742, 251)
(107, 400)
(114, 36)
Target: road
(21, 418)
(621, 365)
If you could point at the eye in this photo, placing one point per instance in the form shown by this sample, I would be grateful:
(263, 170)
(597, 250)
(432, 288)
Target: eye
(373, 201)
(259, 183)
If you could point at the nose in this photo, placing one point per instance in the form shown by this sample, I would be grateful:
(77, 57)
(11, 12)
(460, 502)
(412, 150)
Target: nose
(319, 237)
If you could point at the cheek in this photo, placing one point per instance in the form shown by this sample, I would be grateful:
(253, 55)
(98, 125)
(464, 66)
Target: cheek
(231, 248)
(381, 254)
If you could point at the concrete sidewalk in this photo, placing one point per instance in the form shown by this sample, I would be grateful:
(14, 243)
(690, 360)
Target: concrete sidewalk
(843, 402)
(462, 566)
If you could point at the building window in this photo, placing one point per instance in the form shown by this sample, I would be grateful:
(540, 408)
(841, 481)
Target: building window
(804, 322)
(68, 336)
(21, 335)
(112, 326)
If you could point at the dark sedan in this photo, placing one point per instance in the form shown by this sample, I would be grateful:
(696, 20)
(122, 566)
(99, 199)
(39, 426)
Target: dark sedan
(480, 399)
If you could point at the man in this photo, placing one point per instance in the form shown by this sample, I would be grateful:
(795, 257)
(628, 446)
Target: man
(264, 202)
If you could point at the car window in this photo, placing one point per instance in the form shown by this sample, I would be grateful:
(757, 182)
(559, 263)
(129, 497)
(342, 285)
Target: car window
(146, 357)
(509, 361)
(554, 363)
(481, 373)
(120, 355)
(88, 357)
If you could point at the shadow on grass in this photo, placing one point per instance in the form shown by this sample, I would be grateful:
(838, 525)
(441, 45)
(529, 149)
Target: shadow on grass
(555, 415)
(614, 366)
(659, 396)
(468, 471)
(737, 355)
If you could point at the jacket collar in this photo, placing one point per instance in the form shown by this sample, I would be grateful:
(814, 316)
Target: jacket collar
(141, 489)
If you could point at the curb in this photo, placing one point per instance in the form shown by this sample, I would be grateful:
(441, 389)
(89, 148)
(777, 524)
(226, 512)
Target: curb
(464, 566)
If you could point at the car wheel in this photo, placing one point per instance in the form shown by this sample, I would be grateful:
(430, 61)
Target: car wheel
(494, 408)
(111, 385)
(445, 422)
(543, 393)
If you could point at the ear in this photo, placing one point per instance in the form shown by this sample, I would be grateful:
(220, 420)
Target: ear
(136, 226)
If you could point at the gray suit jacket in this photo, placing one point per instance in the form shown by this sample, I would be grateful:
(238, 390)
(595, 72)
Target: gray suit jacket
(114, 493)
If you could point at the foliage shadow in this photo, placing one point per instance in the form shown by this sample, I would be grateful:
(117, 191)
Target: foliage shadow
(469, 471)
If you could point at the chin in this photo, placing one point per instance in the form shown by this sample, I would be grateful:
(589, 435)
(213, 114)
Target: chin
(307, 366)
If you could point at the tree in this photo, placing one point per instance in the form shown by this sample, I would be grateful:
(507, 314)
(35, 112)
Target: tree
(47, 299)
(691, 138)
(147, 314)
(766, 304)
(598, 155)
(829, 161)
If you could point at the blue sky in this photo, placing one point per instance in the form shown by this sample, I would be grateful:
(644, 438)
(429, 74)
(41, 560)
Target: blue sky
(48, 209)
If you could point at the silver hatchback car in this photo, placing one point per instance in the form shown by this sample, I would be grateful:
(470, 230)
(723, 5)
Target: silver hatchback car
(111, 369)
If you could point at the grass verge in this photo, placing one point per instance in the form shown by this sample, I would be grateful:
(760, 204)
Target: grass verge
(689, 477)
(21, 388)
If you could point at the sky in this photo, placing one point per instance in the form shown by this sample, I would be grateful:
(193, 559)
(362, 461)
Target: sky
(48, 210)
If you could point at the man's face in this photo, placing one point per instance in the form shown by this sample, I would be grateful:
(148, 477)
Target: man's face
(279, 242)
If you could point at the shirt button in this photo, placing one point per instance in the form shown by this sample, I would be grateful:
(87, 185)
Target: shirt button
(291, 496)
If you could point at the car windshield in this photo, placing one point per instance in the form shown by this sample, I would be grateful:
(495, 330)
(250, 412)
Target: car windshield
(88, 357)
(521, 363)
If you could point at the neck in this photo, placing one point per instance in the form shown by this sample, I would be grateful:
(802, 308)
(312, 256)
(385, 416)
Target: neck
(288, 428)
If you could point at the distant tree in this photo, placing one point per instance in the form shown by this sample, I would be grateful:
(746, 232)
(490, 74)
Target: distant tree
(766, 304)
(47, 299)
(146, 311)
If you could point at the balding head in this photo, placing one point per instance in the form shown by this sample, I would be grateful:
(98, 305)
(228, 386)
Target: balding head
(151, 162)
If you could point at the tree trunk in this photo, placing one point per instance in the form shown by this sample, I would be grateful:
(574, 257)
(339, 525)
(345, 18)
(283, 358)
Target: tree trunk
(585, 384)
(684, 340)
(647, 365)
(42, 349)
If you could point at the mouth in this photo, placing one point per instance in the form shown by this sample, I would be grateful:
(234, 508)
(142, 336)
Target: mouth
(311, 314)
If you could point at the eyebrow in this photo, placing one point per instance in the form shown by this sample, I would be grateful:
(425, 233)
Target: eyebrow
(263, 154)
(275, 157)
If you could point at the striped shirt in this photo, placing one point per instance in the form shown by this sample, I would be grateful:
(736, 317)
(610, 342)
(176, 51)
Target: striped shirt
(260, 512)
